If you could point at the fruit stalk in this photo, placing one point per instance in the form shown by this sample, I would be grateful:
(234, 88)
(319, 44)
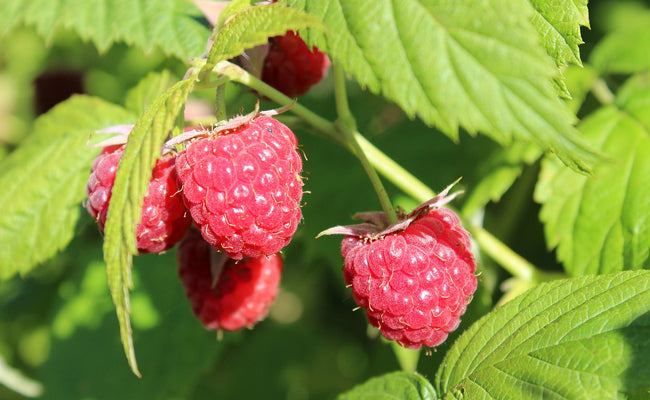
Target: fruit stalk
(407, 358)
(348, 126)
(602, 92)
(220, 103)
(235, 73)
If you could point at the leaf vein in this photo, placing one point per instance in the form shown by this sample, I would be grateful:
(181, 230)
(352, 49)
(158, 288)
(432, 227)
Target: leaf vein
(505, 327)
(532, 384)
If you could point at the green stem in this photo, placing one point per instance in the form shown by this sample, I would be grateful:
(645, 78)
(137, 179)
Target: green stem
(602, 92)
(217, 83)
(407, 358)
(348, 126)
(238, 74)
(394, 172)
(404, 180)
(504, 255)
(222, 114)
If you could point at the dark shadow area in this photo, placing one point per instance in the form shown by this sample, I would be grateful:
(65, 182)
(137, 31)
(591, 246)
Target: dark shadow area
(52, 87)
(635, 381)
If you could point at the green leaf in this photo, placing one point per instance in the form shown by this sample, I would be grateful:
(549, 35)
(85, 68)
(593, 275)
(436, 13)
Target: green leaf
(252, 27)
(580, 338)
(602, 223)
(147, 90)
(471, 64)
(44, 182)
(626, 48)
(558, 22)
(231, 8)
(167, 24)
(395, 385)
(134, 171)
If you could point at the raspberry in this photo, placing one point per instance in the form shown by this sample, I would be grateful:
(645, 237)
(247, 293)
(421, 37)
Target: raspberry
(243, 187)
(244, 289)
(164, 220)
(415, 278)
(291, 67)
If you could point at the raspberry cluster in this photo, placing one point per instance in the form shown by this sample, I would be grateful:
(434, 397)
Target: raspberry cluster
(240, 184)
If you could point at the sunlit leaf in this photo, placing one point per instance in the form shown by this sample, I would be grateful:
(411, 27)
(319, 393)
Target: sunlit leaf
(44, 182)
(602, 223)
(134, 171)
(478, 65)
(167, 24)
(580, 338)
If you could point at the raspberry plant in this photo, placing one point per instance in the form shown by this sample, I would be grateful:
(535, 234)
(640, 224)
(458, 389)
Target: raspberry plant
(548, 234)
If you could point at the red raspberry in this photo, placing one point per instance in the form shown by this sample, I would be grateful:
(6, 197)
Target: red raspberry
(164, 220)
(244, 289)
(415, 278)
(291, 67)
(243, 187)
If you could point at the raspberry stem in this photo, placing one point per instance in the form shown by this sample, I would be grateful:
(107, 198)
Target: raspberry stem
(217, 83)
(235, 73)
(400, 177)
(220, 102)
(602, 92)
(407, 358)
(348, 126)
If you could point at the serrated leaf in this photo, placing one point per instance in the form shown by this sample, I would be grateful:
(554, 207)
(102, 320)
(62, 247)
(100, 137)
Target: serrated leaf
(167, 24)
(232, 8)
(395, 385)
(558, 23)
(44, 182)
(602, 223)
(147, 90)
(471, 64)
(134, 171)
(252, 27)
(581, 338)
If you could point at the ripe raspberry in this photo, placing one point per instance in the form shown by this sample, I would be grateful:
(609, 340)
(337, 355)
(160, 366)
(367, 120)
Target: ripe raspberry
(415, 278)
(164, 220)
(243, 187)
(291, 67)
(244, 289)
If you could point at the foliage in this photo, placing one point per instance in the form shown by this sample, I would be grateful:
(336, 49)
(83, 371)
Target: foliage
(556, 195)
